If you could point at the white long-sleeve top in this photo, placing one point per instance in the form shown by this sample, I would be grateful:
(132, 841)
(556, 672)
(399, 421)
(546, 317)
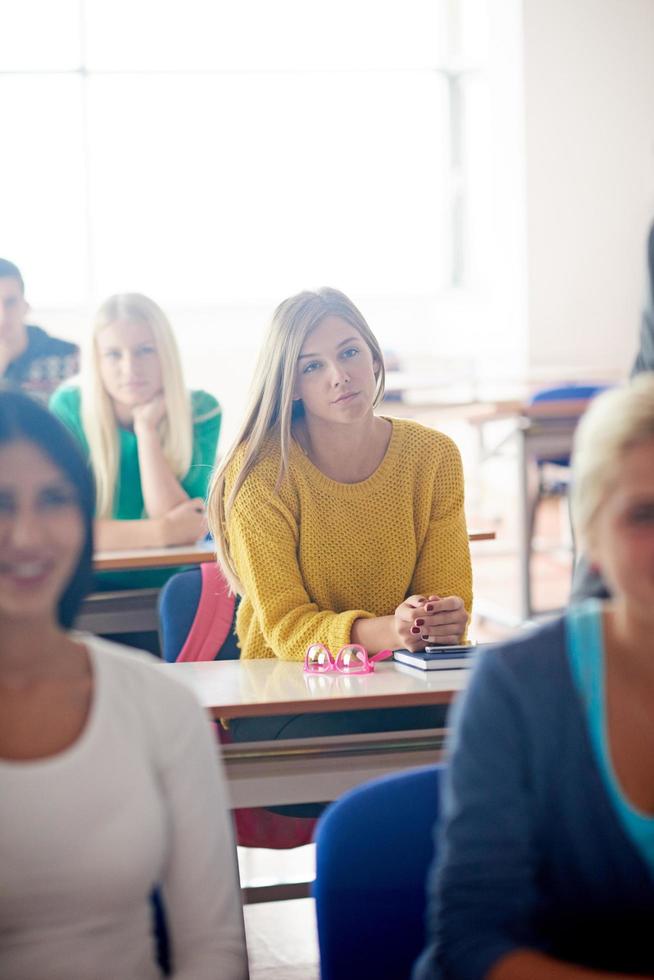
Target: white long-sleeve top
(139, 799)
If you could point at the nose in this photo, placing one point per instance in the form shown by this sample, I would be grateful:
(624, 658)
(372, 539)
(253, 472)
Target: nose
(340, 375)
(128, 365)
(24, 530)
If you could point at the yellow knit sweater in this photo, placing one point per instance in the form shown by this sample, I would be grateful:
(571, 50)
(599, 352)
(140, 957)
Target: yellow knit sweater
(317, 554)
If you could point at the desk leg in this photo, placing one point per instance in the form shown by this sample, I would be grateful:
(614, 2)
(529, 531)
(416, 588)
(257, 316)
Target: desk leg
(524, 523)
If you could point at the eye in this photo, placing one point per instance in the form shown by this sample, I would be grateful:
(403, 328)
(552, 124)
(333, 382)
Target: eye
(310, 367)
(350, 352)
(111, 355)
(641, 514)
(7, 503)
(55, 497)
(146, 349)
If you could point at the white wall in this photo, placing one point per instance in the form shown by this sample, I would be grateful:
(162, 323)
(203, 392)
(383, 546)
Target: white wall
(589, 116)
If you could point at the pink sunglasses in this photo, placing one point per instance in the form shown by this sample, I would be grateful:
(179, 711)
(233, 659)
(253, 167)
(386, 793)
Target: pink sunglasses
(350, 659)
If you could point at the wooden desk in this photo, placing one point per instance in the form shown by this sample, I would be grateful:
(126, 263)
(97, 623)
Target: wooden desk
(190, 554)
(315, 769)
(135, 610)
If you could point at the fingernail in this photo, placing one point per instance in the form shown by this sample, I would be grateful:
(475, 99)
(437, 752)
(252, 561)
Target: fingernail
(420, 622)
(414, 629)
(429, 608)
(425, 637)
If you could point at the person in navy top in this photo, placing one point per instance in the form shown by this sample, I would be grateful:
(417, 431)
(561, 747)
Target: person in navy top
(546, 858)
(30, 359)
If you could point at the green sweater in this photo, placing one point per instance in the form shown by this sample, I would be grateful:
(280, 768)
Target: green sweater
(128, 498)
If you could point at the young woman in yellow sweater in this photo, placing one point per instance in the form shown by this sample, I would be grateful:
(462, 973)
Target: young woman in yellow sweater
(333, 524)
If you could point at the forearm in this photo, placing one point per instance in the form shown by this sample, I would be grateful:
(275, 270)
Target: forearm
(161, 489)
(537, 966)
(123, 535)
(375, 634)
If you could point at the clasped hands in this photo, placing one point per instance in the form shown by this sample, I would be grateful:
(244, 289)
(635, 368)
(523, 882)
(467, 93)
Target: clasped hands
(423, 620)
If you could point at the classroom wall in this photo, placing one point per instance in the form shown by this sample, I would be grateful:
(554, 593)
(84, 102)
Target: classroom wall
(589, 131)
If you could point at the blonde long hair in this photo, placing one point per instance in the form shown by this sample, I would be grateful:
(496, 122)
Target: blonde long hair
(271, 408)
(98, 418)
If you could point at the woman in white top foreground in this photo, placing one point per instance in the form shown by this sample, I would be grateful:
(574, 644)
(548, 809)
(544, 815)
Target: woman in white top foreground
(110, 784)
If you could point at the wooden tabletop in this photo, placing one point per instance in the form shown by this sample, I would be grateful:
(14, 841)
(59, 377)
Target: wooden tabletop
(248, 688)
(192, 554)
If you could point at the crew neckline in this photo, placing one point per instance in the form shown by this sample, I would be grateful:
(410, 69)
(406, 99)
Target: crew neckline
(299, 459)
(85, 736)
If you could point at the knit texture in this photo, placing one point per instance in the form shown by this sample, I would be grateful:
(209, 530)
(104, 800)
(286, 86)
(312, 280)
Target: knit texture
(316, 555)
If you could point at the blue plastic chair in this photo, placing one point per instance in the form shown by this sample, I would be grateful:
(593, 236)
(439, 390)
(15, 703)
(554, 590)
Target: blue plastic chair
(178, 601)
(374, 849)
(564, 393)
(557, 484)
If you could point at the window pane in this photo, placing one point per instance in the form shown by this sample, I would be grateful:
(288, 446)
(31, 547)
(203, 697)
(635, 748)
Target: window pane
(42, 227)
(251, 34)
(40, 34)
(246, 186)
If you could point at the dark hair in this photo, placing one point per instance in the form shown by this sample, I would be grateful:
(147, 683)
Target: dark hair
(21, 417)
(10, 271)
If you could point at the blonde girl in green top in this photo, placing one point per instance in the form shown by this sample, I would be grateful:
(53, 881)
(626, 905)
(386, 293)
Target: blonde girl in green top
(150, 442)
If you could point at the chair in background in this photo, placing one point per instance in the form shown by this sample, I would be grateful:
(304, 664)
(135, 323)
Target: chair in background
(196, 615)
(553, 473)
(374, 849)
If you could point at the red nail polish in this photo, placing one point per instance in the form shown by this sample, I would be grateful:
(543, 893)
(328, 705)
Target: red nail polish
(420, 622)
(414, 629)
(429, 608)
(425, 637)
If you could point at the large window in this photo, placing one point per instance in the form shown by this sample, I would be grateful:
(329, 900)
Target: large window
(220, 155)
(215, 152)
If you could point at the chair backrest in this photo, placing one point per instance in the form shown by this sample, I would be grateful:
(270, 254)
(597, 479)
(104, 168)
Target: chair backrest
(196, 612)
(374, 849)
(564, 393)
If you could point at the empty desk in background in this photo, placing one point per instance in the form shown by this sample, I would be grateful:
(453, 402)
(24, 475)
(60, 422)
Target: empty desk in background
(541, 430)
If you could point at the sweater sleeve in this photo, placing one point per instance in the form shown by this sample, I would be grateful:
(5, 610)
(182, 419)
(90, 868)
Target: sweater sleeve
(207, 417)
(483, 889)
(200, 883)
(443, 567)
(264, 537)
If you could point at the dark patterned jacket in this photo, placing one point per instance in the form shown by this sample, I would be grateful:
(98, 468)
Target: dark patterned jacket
(43, 365)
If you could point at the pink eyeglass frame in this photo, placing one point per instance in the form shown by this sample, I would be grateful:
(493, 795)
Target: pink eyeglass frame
(367, 665)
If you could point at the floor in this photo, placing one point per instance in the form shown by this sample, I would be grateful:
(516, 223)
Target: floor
(282, 940)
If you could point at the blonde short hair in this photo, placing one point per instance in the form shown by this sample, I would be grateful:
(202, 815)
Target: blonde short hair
(616, 421)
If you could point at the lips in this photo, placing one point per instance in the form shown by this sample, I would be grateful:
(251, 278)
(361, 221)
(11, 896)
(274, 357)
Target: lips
(26, 574)
(345, 398)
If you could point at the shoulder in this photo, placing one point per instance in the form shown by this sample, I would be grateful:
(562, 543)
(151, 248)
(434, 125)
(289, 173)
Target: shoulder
(204, 407)
(418, 439)
(66, 399)
(263, 475)
(44, 345)
(141, 678)
(530, 669)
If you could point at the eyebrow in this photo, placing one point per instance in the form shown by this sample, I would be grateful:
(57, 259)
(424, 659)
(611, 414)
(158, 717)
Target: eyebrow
(338, 346)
